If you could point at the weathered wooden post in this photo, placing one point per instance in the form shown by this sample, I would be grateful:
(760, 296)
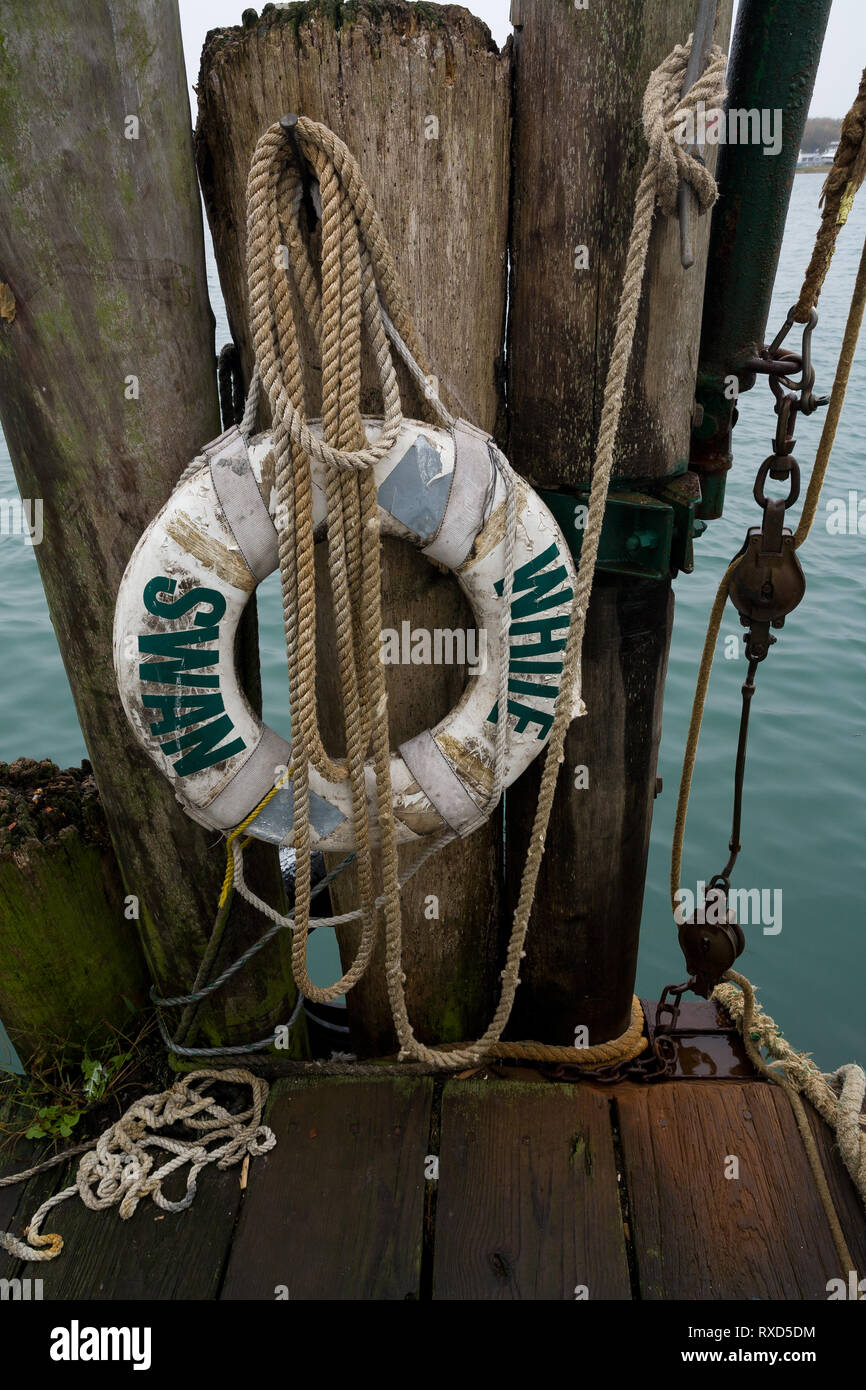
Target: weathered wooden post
(71, 971)
(422, 97)
(577, 158)
(107, 389)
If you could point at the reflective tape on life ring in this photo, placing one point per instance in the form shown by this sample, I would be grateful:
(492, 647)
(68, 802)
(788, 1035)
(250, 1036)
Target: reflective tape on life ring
(195, 567)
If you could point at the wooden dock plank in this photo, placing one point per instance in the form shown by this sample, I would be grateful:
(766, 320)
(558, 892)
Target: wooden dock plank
(700, 1235)
(336, 1210)
(528, 1206)
(154, 1255)
(845, 1196)
(25, 1153)
(18, 1204)
(19, 1201)
(9, 1198)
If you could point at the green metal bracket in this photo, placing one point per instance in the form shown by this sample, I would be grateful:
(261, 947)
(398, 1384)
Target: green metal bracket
(644, 535)
(684, 494)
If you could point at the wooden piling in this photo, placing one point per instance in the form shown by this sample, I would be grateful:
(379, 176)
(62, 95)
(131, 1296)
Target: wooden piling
(422, 97)
(579, 149)
(107, 390)
(72, 973)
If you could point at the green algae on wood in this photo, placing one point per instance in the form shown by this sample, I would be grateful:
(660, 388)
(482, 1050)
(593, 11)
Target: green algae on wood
(72, 971)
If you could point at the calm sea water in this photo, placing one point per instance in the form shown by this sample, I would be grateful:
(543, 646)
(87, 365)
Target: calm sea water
(805, 809)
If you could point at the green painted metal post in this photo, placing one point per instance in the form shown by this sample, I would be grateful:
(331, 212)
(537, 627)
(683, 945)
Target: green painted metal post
(774, 59)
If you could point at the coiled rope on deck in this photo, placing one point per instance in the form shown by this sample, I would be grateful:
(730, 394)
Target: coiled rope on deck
(117, 1169)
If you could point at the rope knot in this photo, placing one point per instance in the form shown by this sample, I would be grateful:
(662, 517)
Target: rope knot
(668, 120)
(263, 1140)
(52, 1244)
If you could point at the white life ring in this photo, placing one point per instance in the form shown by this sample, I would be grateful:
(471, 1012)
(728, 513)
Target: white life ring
(192, 572)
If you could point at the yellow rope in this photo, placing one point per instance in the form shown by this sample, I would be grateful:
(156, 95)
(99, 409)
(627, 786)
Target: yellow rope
(694, 734)
(228, 881)
(837, 400)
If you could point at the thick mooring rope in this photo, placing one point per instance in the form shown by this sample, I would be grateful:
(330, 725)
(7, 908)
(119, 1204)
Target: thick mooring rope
(837, 196)
(117, 1169)
(837, 1096)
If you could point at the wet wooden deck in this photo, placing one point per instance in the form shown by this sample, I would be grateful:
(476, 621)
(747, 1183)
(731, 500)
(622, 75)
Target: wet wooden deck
(545, 1190)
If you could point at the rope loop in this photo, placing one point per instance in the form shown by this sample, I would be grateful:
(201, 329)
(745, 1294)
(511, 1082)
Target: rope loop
(276, 182)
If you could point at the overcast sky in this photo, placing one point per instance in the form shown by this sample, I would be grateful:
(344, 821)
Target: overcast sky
(838, 76)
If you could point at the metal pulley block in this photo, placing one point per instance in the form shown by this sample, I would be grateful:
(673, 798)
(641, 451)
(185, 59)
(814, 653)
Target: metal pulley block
(767, 584)
(710, 947)
(766, 587)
